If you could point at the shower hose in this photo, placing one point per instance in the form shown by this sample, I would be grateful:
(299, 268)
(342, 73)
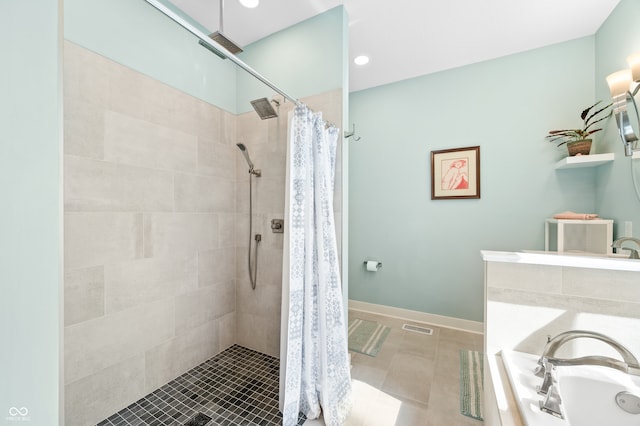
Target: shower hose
(253, 271)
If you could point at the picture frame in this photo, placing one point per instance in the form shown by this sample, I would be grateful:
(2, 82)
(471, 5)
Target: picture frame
(455, 173)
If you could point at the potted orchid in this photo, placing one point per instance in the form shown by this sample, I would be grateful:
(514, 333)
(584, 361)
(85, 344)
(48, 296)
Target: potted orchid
(578, 140)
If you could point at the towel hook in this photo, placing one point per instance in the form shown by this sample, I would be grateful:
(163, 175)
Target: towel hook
(350, 133)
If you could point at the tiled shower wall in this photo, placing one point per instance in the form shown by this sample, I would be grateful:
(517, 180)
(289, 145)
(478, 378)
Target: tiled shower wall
(258, 311)
(156, 231)
(150, 203)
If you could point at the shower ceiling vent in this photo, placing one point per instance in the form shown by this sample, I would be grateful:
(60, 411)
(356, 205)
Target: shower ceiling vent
(417, 329)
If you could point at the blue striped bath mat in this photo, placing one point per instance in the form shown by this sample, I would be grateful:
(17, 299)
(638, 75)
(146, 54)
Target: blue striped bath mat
(471, 383)
(366, 337)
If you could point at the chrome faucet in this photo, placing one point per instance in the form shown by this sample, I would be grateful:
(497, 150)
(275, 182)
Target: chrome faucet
(629, 364)
(548, 361)
(617, 244)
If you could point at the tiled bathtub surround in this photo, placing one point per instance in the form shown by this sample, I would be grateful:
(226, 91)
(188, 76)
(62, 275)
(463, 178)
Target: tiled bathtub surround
(150, 209)
(527, 302)
(548, 300)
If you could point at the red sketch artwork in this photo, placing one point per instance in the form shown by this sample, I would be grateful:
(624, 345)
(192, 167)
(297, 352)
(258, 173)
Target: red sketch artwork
(455, 174)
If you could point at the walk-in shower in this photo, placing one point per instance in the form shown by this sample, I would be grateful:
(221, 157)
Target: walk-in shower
(253, 268)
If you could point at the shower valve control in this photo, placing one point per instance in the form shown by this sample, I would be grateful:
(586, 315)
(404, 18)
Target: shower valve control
(277, 226)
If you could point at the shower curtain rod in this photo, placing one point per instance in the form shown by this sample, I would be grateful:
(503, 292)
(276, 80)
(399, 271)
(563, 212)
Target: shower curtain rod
(217, 48)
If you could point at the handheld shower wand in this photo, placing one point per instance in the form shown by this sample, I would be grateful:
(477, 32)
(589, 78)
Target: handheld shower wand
(253, 268)
(245, 152)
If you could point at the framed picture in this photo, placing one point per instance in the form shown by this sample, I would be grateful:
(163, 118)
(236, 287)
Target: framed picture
(455, 173)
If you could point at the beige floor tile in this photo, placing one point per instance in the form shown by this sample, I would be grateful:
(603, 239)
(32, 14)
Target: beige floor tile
(409, 377)
(414, 380)
(370, 375)
(419, 344)
(397, 412)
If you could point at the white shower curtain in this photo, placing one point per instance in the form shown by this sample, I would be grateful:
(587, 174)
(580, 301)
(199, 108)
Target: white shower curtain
(315, 376)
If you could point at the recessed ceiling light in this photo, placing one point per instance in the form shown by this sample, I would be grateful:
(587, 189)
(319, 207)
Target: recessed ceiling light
(250, 3)
(361, 60)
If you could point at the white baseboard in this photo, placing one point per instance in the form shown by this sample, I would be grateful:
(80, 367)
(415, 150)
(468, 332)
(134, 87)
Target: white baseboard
(416, 316)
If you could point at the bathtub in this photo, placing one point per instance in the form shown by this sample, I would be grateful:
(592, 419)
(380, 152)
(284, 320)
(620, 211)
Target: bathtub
(588, 393)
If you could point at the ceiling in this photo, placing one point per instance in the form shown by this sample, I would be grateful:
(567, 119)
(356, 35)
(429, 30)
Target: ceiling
(409, 38)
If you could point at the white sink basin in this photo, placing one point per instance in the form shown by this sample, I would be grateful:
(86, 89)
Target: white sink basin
(588, 393)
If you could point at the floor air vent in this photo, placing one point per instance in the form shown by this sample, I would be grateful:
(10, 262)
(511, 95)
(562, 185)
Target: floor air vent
(198, 420)
(417, 329)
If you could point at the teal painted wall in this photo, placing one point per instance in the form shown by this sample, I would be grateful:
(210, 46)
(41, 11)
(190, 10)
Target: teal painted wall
(430, 250)
(304, 59)
(618, 37)
(30, 218)
(301, 59)
(134, 34)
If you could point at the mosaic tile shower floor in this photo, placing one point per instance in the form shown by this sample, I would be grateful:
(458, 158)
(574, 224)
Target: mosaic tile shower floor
(239, 386)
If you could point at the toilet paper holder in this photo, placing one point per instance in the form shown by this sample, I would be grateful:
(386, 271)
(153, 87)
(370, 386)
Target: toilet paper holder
(378, 264)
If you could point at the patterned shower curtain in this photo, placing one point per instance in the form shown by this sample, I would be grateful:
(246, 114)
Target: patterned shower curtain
(314, 356)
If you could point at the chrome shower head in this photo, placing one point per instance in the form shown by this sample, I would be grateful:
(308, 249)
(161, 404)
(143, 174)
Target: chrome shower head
(225, 42)
(245, 152)
(264, 108)
(222, 39)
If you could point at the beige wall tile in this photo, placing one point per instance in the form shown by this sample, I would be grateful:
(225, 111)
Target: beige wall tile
(93, 239)
(546, 279)
(242, 229)
(271, 240)
(210, 122)
(251, 332)
(242, 267)
(227, 330)
(270, 158)
(83, 294)
(85, 75)
(92, 399)
(83, 128)
(93, 345)
(126, 91)
(217, 159)
(228, 135)
(272, 336)
(542, 314)
(178, 355)
(143, 266)
(130, 140)
(92, 185)
(242, 196)
(195, 193)
(227, 230)
(270, 267)
(601, 284)
(269, 195)
(141, 281)
(182, 110)
(216, 266)
(203, 305)
(169, 234)
(251, 130)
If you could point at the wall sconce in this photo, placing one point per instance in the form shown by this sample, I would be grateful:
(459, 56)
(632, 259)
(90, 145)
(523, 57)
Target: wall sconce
(620, 84)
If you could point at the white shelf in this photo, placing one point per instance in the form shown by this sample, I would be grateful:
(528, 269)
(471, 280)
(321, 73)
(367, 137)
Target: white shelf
(593, 160)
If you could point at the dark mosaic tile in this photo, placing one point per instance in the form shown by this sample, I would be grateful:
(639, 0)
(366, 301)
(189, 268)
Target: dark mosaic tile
(236, 387)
